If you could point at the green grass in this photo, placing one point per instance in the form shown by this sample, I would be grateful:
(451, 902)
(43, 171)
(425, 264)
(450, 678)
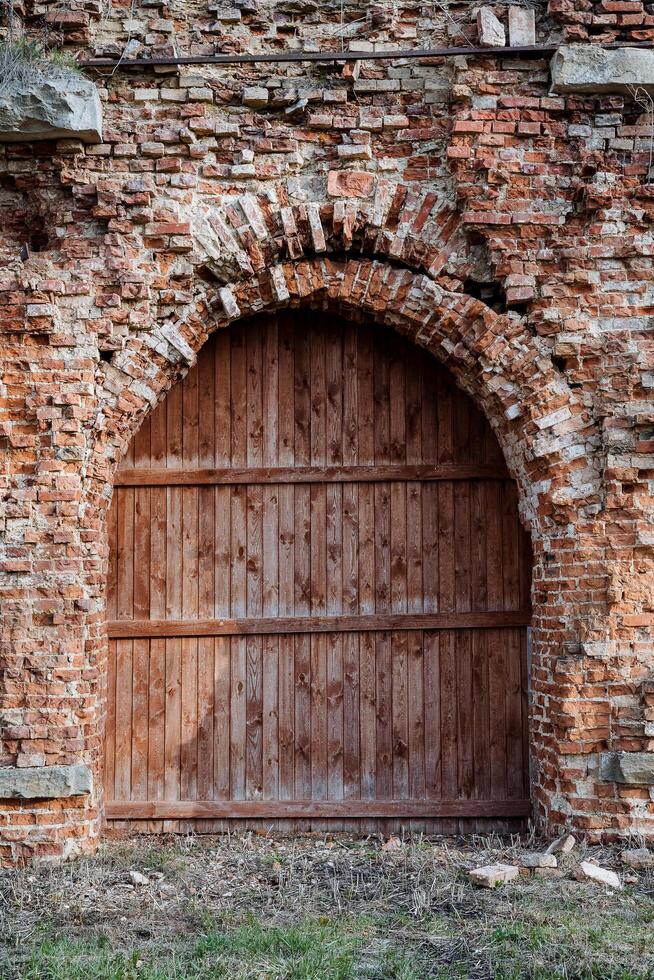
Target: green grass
(252, 909)
(304, 951)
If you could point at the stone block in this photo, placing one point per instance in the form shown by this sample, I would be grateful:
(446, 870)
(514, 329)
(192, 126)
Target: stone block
(50, 107)
(493, 875)
(602, 876)
(45, 782)
(579, 68)
(255, 96)
(522, 26)
(562, 845)
(491, 32)
(634, 768)
(538, 861)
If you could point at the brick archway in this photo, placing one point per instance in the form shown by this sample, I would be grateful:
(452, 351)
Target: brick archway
(543, 429)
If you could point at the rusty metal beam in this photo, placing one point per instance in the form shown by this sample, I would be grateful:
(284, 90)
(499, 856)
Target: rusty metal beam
(519, 51)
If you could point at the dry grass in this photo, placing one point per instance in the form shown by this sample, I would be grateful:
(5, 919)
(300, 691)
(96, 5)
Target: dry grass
(318, 907)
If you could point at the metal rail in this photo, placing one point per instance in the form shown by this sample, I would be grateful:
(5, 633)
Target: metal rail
(321, 56)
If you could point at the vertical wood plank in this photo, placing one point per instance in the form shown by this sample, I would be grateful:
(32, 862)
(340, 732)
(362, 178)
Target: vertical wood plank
(368, 715)
(351, 723)
(384, 694)
(416, 715)
(318, 717)
(222, 704)
(400, 712)
(270, 731)
(123, 714)
(238, 716)
(254, 717)
(334, 643)
(286, 735)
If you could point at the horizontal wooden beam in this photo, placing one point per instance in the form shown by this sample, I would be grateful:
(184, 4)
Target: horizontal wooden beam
(154, 628)
(311, 809)
(309, 474)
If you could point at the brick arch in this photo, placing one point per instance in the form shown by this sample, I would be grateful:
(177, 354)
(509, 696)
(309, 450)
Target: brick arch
(246, 234)
(544, 429)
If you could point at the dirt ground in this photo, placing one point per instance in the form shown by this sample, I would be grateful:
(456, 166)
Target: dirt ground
(321, 906)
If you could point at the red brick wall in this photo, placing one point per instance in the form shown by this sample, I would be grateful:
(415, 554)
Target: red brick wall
(506, 230)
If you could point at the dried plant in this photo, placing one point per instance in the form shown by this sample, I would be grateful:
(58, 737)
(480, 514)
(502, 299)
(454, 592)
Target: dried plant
(22, 58)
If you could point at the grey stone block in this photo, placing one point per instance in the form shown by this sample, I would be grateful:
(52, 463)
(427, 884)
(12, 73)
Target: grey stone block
(590, 68)
(50, 108)
(45, 782)
(635, 768)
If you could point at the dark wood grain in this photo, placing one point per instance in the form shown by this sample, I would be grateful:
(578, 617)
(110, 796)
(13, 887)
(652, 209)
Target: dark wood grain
(318, 593)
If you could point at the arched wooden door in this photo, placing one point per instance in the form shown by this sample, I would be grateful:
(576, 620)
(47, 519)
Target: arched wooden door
(318, 592)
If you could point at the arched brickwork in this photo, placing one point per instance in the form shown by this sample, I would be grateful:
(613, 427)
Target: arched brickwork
(544, 431)
(400, 261)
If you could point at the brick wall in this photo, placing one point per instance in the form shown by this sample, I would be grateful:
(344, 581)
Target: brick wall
(504, 229)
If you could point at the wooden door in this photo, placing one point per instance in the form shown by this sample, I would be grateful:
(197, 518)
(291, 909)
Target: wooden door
(318, 593)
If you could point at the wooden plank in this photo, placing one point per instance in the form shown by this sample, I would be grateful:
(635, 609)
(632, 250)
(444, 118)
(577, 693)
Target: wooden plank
(139, 721)
(318, 394)
(350, 396)
(156, 720)
(302, 688)
(432, 726)
(222, 705)
(238, 398)
(270, 728)
(125, 554)
(254, 717)
(449, 713)
(190, 575)
(238, 552)
(384, 712)
(334, 546)
(398, 547)
(380, 473)
(286, 391)
(368, 715)
(205, 717)
(416, 715)
(317, 624)
(350, 549)
(238, 719)
(480, 716)
(205, 665)
(110, 723)
(351, 724)
(123, 751)
(315, 809)
(172, 734)
(366, 550)
(400, 714)
(286, 730)
(301, 400)
(365, 400)
(318, 717)
(334, 696)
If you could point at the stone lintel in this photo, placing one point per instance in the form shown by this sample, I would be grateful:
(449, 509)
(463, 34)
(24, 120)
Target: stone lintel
(45, 782)
(592, 69)
(634, 768)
